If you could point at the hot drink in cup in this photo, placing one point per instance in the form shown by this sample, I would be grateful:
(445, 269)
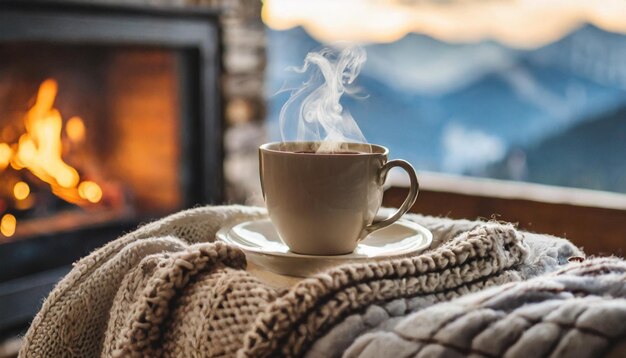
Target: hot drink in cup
(324, 203)
(322, 191)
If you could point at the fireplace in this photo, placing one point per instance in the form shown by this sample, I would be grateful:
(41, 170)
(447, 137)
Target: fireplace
(109, 117)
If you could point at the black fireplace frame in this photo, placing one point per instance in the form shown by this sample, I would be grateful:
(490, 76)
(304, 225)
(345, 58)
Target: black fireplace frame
(195, 31)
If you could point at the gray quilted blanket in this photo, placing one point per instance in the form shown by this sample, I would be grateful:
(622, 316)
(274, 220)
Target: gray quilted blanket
(578, 311)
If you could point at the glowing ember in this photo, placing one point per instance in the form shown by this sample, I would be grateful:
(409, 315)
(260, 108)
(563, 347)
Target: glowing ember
(75, 129)
(7, 225)
(40, 149)
(21, 190)
(90, 191)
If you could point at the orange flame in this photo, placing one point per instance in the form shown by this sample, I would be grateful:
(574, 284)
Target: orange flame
(39, 149)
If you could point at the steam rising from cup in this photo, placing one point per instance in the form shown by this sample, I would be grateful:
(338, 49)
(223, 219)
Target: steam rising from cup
(314, 110)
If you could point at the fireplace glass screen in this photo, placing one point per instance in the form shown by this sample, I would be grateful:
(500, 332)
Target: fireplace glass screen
(88, 134)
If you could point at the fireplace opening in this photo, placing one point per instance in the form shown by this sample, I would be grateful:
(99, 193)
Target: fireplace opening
(110, 117)
(88, 134)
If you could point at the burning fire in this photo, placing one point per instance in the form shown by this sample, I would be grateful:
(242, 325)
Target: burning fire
(39, 150)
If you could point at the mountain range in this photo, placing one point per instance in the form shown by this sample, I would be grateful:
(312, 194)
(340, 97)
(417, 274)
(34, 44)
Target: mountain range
(463, 108)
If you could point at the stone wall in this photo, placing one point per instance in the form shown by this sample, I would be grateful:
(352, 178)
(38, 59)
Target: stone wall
(244, 64)
(244, 103)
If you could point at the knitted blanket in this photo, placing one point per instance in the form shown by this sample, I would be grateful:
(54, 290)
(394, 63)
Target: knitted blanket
(579, 311)
(168, 289)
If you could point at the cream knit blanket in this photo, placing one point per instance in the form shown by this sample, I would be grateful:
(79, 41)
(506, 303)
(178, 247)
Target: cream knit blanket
(167, 289)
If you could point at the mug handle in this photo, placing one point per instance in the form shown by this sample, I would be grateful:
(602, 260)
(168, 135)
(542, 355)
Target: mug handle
(408, 202)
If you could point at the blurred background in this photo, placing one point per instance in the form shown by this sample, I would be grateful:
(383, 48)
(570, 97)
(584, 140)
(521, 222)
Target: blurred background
(513, 110)
(519, 90)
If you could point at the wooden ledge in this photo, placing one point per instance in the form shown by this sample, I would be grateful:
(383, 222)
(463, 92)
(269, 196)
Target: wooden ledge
(512, 190)
(590, 219)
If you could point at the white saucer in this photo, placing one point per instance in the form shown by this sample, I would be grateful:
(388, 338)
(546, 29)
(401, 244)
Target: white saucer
(262, 246)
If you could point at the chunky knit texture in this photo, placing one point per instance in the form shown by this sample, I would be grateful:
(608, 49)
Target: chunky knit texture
(579, 311)
(475, 259)
(168, 290)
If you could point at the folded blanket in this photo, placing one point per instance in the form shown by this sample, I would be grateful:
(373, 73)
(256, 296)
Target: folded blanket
(579, 311)
(168, 290)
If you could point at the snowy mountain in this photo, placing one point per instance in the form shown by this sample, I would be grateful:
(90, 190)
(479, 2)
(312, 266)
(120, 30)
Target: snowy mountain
(460, 107)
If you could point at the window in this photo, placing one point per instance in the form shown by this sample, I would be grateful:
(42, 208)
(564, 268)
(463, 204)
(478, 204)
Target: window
(546, 105)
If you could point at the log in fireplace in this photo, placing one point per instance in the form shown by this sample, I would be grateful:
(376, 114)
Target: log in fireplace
(109, 117)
